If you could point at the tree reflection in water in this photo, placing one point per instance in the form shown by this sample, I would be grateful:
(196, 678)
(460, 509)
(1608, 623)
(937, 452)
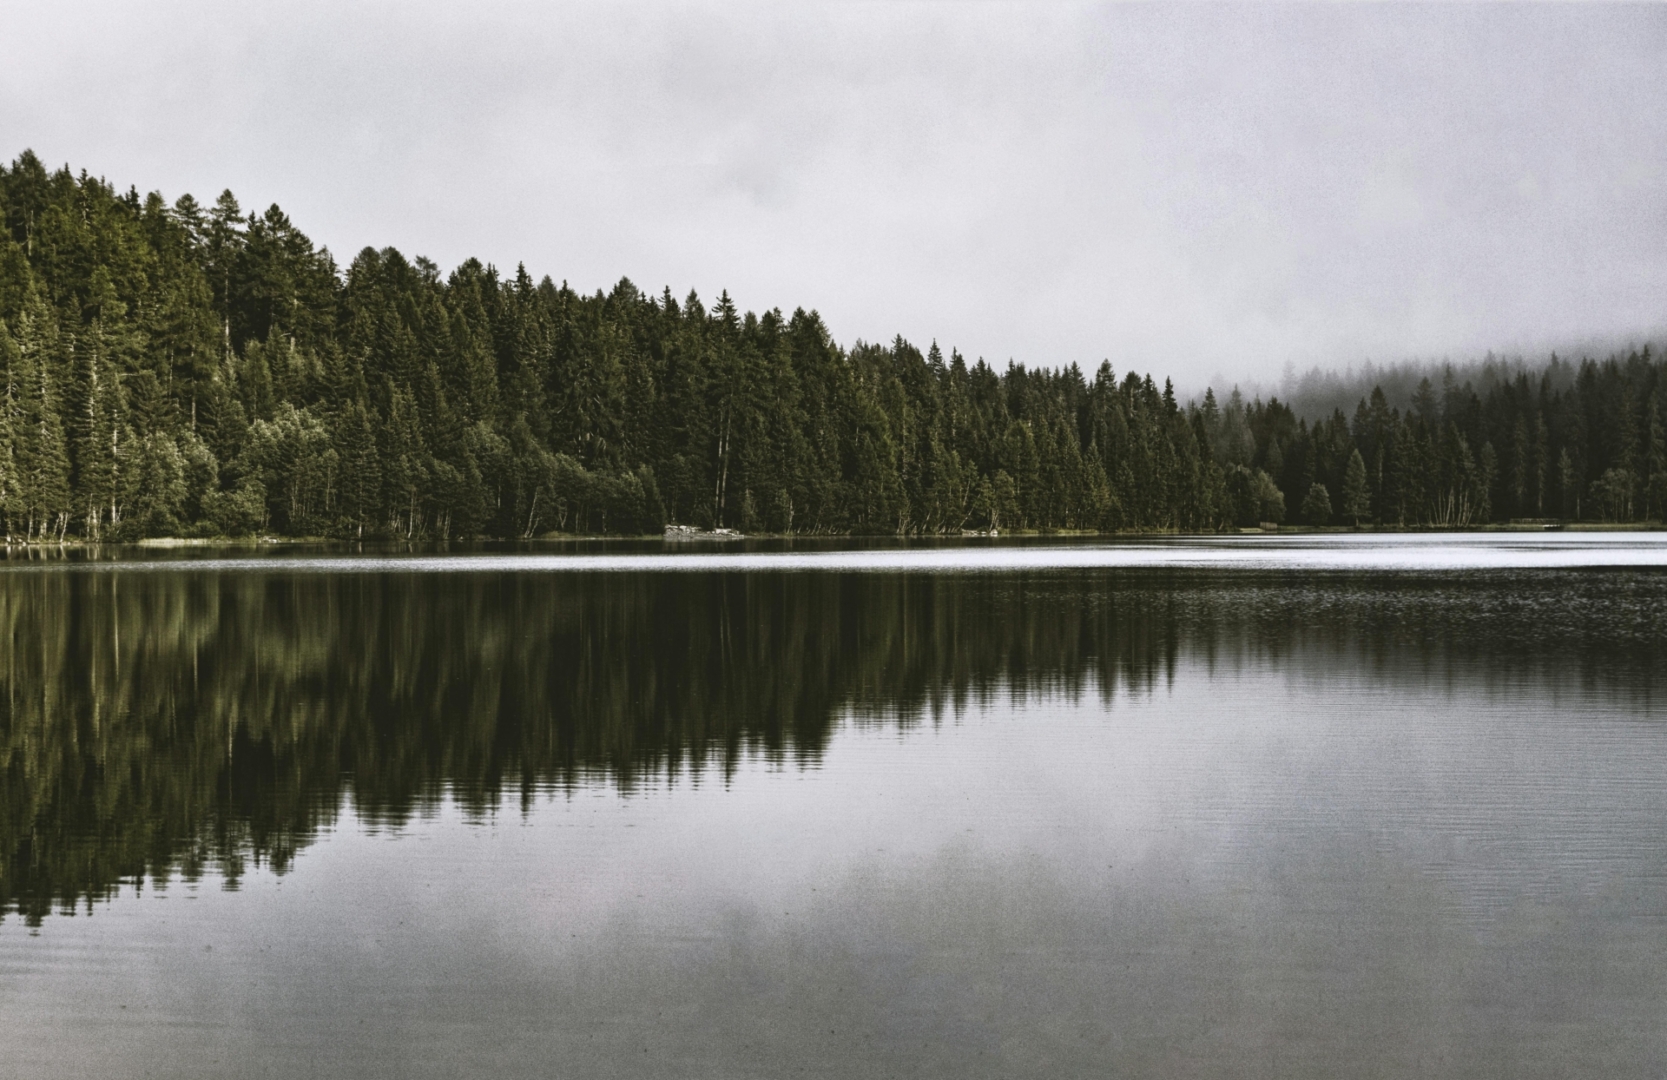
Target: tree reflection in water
(161, 722)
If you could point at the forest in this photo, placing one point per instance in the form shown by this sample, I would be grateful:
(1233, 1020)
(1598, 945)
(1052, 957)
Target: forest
(191, 370)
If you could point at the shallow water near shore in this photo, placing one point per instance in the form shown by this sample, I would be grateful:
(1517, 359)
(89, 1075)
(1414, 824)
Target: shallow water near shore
(1316, 806)
(1302, 551)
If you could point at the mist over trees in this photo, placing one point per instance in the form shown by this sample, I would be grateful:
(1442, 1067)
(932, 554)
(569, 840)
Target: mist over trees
(196, 369)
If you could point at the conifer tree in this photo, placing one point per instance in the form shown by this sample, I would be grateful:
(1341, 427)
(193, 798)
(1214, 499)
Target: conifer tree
(361, 471)
(1357, 499)
(1655, 461)
(10, 492)
(1316, 505)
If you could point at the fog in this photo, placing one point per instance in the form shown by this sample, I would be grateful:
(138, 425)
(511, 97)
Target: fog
(1200, 191)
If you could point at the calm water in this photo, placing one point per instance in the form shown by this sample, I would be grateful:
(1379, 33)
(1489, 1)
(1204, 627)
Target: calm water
(1261, 808)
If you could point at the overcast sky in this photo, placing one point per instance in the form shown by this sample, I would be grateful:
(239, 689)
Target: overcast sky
(1192, 190)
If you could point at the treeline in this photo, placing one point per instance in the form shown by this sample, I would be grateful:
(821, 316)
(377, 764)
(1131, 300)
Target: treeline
(1575, 442)
(188, 369)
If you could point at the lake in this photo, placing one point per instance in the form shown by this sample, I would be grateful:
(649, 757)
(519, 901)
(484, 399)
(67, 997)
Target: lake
(1237, 807)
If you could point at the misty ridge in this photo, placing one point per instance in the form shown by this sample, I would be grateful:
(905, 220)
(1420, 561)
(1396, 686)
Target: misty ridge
(1320, 391)
(192, 370)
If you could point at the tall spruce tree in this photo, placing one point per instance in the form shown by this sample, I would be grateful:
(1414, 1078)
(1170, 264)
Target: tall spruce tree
(1356, 497)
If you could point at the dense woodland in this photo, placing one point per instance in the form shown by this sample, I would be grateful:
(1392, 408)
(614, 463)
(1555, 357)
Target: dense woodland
(193, 370)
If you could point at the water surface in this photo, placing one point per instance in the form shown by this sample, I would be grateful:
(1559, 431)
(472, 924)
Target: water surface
(1322, 807)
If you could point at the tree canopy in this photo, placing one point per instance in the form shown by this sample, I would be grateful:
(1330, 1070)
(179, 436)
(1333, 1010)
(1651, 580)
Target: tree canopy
(182, 369)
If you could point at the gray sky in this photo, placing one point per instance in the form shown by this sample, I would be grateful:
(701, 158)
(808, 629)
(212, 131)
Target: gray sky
(1191, 190)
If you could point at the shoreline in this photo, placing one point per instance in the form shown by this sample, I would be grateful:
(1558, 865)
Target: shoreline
(166, 543)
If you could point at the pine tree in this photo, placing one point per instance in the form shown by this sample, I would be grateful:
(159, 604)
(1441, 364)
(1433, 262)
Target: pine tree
(1655, 461)
(102, 436)
(222, 245)
(1542, 462)
(39, 452)
(361, 471)
(1568, 485)
(1316, 505)
(405, 466)
(10, 495)
(1357, 499)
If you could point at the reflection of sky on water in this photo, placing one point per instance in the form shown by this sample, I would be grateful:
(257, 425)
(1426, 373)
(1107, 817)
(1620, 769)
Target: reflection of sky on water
(1351, 551)
(1255, 872)
(1329, 826)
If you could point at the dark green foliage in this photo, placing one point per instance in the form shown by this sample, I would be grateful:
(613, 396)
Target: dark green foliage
(1252, 497)
(1316, 505)
(195, 370)
(1357, 501)
(1575, 443)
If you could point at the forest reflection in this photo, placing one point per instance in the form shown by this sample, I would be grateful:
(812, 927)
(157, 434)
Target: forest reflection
(177, 722)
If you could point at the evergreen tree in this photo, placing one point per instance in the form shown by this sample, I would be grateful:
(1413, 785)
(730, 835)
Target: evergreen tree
(39, 454)
(1655, 461)
(1316, 505)
(1357, 499)
(361, 470)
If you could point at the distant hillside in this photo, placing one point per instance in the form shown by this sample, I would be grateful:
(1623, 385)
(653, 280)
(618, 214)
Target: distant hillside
(1318, 392)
